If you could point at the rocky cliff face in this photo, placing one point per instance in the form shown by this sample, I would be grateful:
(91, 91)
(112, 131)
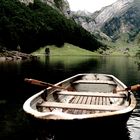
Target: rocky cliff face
(114, 10)
(60, 5)
(26, 1)
(113, 21)
(126, 23)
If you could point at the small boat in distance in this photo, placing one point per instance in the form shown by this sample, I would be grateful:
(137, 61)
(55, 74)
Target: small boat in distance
(83, 98)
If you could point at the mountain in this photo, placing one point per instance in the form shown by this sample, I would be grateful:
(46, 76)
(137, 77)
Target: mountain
(60, 5)
(32, 24)
(120, 20)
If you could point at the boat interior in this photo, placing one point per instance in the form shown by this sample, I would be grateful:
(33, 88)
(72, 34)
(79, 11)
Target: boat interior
(84, 94)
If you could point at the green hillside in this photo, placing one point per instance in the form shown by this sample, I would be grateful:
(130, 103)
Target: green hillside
(65, 50)
(38, 25)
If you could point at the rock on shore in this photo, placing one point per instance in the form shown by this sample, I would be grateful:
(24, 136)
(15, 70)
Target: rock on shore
(15, 55)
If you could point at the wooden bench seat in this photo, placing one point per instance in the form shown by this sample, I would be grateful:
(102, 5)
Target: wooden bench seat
(81, 106)
(95, 81)
(94, 94)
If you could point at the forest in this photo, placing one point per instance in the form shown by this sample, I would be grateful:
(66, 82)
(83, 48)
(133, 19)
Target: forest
(37, 25)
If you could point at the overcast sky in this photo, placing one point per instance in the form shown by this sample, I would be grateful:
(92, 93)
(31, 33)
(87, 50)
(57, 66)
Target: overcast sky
(89, 5)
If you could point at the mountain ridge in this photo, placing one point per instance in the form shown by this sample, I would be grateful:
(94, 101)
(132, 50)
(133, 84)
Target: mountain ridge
(111, 22)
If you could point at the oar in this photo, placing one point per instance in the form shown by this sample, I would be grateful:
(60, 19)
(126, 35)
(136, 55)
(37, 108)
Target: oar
(132, 88)
(44, 84)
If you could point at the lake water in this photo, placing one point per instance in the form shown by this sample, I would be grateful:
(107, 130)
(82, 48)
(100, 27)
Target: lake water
(14, 91)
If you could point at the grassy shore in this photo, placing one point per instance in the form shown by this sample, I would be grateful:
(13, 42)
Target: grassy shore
(68, 49)
(120, 48)
(71, 50)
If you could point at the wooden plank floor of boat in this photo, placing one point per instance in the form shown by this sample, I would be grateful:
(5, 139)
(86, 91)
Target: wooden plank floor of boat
(85, 102)
(90, 98)
(89, 101)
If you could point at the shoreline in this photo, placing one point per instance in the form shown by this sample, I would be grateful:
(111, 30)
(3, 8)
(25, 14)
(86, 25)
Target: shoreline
(15, 55)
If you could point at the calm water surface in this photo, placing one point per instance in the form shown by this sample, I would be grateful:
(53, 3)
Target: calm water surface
(14, 91)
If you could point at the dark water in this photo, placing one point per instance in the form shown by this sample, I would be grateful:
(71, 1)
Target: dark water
(14, 91)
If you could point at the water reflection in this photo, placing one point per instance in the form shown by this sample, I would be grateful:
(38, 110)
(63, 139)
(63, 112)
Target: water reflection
(80, 130)
(92, 134)
(13, 123)
(134, 127)
(138, 60)
(134, 121)
(69, 62)
(122, 67)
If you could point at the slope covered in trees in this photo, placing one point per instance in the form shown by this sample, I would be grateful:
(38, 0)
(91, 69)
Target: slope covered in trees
(37, 25)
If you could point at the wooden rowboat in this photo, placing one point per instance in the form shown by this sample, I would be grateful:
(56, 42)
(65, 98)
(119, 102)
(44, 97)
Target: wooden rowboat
(96, 98)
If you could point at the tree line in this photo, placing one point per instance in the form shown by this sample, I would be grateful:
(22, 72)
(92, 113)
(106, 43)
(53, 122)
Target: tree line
(37, 25)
